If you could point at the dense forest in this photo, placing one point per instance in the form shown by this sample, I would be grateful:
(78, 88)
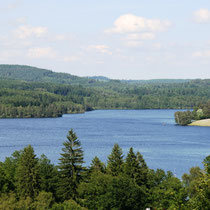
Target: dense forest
(200, 112)
(124, 182)
(32, 92)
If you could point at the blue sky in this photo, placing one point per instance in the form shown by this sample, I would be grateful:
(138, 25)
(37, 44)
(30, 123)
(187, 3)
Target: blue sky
(118, 39)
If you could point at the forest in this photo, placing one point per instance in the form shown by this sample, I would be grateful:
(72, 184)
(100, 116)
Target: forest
(123, 182)
(27, 92)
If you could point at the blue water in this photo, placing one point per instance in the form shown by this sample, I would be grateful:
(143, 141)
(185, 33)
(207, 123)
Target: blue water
(151, 132)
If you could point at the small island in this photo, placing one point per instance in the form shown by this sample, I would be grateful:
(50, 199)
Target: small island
(200, 116)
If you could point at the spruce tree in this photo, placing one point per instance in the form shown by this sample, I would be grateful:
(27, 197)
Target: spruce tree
(136, 167)
(97, 165)
(143, 170)
(131, 164)
(115, 161)
(27, 174)
(70, 166)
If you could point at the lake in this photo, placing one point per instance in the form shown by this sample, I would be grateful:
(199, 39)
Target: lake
(151, 132)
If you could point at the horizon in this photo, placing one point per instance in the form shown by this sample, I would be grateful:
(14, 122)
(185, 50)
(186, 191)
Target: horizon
(135, 41)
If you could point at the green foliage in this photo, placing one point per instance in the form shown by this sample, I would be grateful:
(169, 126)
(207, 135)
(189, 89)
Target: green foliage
(166, 191)
(136, 168)
(70, 166)
(8, 201)
(48, 174)
(68, 205)
(197, 183)
(97, 166)
(43, 201)
(27, 176)
(115, 161)
(183, 118)
(206, 164)
(104, 191)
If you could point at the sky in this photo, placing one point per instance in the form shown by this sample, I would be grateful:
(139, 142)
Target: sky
(119, 39)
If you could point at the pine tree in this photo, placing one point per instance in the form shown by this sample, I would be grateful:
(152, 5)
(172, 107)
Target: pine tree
(27, 173)
(115, 161)
(70, 166)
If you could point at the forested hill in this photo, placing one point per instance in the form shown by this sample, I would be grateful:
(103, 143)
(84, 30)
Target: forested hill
(21, 95)
(34, 74)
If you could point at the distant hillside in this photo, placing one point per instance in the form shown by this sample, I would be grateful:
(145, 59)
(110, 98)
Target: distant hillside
(100, 78)
(155, 81)
(33, 74)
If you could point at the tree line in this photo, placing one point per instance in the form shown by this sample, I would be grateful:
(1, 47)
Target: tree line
(125, 182)
(38, 99)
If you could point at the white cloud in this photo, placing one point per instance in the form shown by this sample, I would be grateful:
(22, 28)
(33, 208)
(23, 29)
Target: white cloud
(133, 43)
(203, 54)
(141, 36)
(26, 31)
(100, 48)
(130, 23)
(202, 16)
(46, 52)
(60, 37)
(21, 20)
(70, 58)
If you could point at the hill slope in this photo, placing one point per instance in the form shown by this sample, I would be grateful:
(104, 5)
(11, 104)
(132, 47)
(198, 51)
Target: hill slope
(33, 74)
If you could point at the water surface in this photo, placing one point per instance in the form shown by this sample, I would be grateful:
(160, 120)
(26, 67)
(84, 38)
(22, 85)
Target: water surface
(151, 132)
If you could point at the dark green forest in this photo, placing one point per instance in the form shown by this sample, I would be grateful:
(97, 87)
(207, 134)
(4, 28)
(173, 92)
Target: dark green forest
(32, 92)
(124, 182)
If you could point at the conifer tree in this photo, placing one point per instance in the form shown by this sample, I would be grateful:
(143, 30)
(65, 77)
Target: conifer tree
(131, 164)
(136, 167)
(143, 170)
(70, 166)
(48, 175)
(97, 165)
(115, 161)
(27, 175)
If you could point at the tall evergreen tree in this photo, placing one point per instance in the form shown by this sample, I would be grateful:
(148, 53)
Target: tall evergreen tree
(136, 167)
(143, 170)
(27, 174)
(48, 175)
(70, 166)
(131, 164)
(115, 160)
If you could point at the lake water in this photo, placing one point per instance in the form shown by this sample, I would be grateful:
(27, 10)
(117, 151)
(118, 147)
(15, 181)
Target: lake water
(151, 132)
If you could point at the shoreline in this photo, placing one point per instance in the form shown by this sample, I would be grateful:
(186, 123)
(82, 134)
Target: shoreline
(204, 123)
